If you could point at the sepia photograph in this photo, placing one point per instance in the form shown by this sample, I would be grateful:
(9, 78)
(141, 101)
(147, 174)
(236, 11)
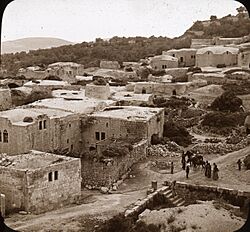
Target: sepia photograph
(124, 116)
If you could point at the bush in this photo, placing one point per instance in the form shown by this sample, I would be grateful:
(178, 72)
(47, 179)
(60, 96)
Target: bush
(194, 69)
(227, 102)
(222, 119)
(176, 133)
(51, 77)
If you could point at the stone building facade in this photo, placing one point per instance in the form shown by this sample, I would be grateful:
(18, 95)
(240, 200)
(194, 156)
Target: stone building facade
(217, 55)
(44, 129)
(97, 91)
(185, 56)
(123, 122)
(37, 182)
(5, 99)
(109, 64)
(162, 62)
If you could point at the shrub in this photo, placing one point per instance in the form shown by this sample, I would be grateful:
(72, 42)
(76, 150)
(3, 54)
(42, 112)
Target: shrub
(171, 219)
(194, 69)
(221, 66)
(176, 133)
(227, 102)
(222, 119)
(51, 77)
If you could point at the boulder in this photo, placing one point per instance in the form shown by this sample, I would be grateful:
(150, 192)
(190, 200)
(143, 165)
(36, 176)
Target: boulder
(104, 190)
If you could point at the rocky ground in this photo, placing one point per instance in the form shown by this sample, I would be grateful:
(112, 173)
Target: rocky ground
(204, 217)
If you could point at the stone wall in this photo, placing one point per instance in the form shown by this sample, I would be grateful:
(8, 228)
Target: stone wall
(109, 64)
(12, 185)
(177, 72)
(97, 91)
(44, 195)
(96, 173)
(191, 193)
(5, 99)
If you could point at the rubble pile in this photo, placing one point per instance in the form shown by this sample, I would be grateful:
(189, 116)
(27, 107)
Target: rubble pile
(220, 148)
(169, 149)
(4, 160)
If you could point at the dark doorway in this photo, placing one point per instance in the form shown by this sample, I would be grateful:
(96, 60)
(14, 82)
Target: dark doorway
(174, 92)
(143, 90)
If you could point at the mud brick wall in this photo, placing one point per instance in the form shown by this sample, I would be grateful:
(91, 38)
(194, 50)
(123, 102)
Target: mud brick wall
(99, 174)
(45, 195)
(191, 193)
(12, 185)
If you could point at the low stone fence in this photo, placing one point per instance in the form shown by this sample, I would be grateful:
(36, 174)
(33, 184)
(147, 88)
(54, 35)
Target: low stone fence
(148, 202)
(192, 192)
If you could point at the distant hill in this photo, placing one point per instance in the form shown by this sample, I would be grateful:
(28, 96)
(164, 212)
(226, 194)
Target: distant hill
(31, 43)
(128, 49)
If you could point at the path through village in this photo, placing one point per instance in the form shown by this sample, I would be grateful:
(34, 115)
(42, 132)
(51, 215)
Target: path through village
(99, 207)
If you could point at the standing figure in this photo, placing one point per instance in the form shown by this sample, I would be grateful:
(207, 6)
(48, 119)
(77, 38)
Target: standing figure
(215, 172)
(239, 162)
(187, 170)
(209, 170)
(172, 167)
(206, 168)
(183, 161)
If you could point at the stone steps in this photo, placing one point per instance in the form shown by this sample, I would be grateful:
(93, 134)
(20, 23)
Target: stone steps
(177, 201)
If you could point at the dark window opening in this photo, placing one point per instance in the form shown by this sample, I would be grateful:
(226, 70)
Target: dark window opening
(181, 59)
(44, 124)
(107, 124)
(143, 90)
(97, 135)
(5, 136)
(71, 147)
(0, 136)
(40, 125)
(56, 175)
(102, 135)
(50, 176)
(173, 55)
(69, 125)
(67, 140)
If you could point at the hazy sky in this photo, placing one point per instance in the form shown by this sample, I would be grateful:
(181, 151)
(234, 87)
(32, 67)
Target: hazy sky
(85, 20)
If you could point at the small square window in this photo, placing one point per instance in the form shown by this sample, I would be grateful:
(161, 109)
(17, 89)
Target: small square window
(56, 175)
(97, 135)
(50, 176)
(67, 140)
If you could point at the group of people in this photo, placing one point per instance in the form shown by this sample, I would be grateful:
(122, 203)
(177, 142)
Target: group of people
(209, 172)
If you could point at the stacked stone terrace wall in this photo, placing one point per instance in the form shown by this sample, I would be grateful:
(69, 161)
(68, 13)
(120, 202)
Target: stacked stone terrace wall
(98, 174)
(192, 192)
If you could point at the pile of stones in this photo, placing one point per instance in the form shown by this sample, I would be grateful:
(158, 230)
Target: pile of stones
(171, 149)
(4, 161)
(220, 148)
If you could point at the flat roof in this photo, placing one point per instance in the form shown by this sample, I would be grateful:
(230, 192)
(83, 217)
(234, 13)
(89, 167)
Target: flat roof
(130, 96)
(82, 106)
(46, 83)
(17, 115)
(129, 113)
(32, 160)
(218, 50)
(72, 64)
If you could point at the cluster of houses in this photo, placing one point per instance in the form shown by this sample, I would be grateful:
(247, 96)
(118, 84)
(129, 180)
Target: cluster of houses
(81, 119)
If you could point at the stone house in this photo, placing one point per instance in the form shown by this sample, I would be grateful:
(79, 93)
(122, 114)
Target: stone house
(43, 129)
(161, 88)
(185, 56)
(67, 71)
(37, 182)
(105, 64)
(162, 62)
(244, 55)
(5, 99)
(123, 122)
(97, 91)
(216, 55)
(46, 85)
(32, 73)
(210, 78)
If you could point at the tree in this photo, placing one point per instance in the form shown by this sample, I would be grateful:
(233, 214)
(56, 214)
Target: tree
(228, 101)
(213, 17)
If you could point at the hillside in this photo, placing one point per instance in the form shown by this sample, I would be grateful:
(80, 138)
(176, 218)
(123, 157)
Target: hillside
(32, 43)
(128, 49)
